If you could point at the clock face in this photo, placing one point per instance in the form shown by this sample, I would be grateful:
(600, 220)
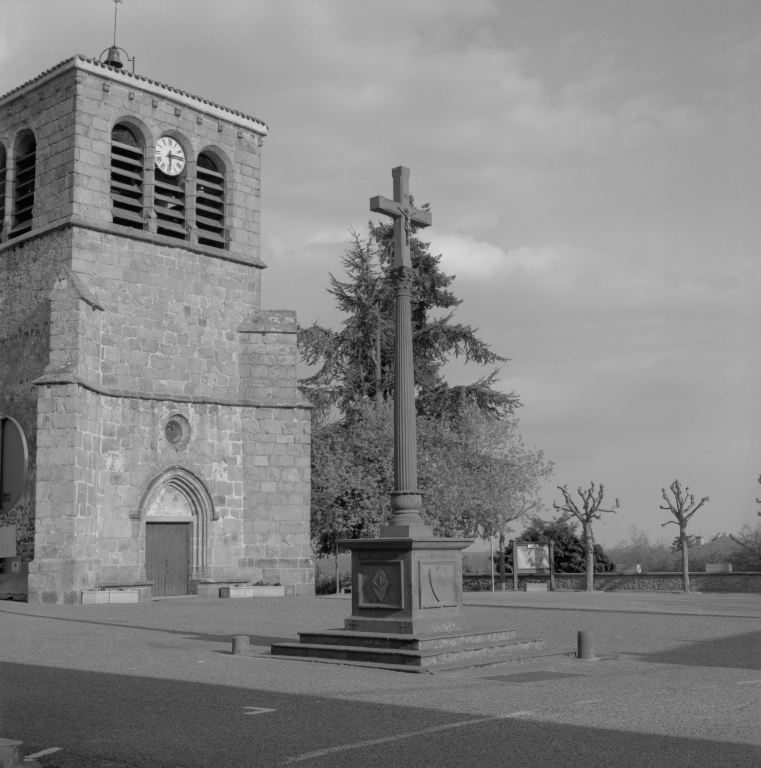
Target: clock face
(169, 156)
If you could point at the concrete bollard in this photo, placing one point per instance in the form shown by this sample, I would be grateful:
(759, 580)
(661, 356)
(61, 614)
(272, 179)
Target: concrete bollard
(585, 646)
(240, 645)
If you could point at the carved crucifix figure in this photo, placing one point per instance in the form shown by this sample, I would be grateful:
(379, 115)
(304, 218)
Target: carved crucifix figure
(406, 500)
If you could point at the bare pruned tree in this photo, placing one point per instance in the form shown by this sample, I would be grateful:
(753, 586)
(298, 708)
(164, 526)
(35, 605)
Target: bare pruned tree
(683, 508)
(589, 510)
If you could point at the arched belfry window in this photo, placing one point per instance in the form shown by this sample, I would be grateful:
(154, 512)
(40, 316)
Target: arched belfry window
(3, 165)
(169, 201)
(210, 202)
(25, 170)
(127, 168)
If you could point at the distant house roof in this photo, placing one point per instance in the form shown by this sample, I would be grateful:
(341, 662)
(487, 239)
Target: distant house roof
(720, 550)
(93, 65)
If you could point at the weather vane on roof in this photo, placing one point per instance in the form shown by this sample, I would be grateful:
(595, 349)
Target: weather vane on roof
(113, 59)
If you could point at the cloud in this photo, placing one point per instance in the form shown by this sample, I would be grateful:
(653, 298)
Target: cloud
(471, 259)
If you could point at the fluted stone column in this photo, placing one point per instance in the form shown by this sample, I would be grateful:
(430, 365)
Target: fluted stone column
(406, 500)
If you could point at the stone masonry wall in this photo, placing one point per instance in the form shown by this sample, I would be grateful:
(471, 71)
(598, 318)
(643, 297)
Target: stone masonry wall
(160, 321)
(123, 329)
(49, 113)
(277, 485)
(171, 316)
(27, 275)
(640, 582)
(106, 97)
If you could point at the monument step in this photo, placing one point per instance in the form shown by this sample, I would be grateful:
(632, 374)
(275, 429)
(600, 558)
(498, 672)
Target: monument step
(419, 642)
(521, 657)
(421, 658)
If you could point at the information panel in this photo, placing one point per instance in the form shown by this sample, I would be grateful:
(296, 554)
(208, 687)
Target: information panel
(533, 557)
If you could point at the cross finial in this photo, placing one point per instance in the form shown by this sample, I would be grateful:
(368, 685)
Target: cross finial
(403, 214)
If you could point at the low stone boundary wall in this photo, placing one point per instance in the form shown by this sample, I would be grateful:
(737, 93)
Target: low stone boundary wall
(749, 581)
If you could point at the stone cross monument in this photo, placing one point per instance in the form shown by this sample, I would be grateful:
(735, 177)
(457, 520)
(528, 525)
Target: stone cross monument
(407, 581)
(406, 500)
(406, 585)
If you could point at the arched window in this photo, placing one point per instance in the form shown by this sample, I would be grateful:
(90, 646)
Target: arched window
(210, 202)
(127, 164)
(169, 202)
(2, 185)
(23, 184)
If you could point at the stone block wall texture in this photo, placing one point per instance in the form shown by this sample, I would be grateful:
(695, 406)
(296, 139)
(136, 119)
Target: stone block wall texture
(27, 275)
(111, 332)
(639, 582)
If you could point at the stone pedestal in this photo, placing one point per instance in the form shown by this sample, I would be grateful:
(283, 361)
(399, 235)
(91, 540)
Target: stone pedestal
(406, 585)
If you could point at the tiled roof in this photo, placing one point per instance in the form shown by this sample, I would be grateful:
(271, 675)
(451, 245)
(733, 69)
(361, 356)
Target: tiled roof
(260, 126)
(719, 550)
(715, 550)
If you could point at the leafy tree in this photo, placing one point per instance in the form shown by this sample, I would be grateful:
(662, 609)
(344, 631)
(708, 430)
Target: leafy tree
(683, 508)
(357, 362)
(589, 511)
(749, 538)
(352, 475)
(478, 475)
(676, 542)
(638, 548)
(474, 471)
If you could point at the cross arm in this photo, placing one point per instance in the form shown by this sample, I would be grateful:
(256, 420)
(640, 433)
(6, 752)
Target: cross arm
(380, 204)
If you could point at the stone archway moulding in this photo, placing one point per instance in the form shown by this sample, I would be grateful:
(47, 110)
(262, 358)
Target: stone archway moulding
(199, 499)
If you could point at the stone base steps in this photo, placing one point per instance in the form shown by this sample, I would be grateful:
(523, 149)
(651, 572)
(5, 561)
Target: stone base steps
(425, 652)
(420, 642)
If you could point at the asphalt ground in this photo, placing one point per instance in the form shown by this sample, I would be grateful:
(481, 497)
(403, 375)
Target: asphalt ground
(154, 684)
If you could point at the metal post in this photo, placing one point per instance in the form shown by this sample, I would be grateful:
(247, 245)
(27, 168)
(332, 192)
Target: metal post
(552, 565)
(491, 560)
(515, 565)
(585, 646)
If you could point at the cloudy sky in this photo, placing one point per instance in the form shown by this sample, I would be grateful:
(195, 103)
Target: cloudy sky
(594, 173)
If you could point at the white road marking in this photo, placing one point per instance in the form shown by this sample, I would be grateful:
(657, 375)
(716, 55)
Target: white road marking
(399, 737)
(747, 682)
(44, 752)
(258, 710)
(591, 701)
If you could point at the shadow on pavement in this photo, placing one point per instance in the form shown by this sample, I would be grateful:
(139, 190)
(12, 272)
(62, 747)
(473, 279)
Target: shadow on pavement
(132, 722)
(738, 651)
(186, 634)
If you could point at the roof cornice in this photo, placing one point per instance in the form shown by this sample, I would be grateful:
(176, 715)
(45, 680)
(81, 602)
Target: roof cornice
(204, 106)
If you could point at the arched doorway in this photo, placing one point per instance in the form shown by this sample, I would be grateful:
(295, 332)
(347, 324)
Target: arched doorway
(177, 510)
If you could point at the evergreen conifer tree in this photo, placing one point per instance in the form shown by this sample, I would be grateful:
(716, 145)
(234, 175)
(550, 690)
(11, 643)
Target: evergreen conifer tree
(357, 362)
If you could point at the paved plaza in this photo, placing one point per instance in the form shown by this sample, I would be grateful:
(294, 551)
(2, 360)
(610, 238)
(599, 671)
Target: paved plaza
(154, 684)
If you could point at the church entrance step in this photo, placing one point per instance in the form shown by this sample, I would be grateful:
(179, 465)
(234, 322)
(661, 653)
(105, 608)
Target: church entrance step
(420, 642)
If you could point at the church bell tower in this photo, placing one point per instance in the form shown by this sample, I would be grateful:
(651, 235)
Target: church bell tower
(167, 444)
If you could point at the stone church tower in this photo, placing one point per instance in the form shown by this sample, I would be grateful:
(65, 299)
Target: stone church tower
(167, 439)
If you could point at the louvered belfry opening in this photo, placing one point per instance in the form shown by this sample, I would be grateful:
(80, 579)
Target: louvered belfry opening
(210, 203)
(23, 185)
(3, 165)
(169, 204)
(127, 168)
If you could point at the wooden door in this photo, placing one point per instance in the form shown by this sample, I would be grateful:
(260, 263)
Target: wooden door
(167, 557)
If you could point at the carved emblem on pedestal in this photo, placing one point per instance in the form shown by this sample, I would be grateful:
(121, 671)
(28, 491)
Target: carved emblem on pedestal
(380, 584)
(437, 585)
